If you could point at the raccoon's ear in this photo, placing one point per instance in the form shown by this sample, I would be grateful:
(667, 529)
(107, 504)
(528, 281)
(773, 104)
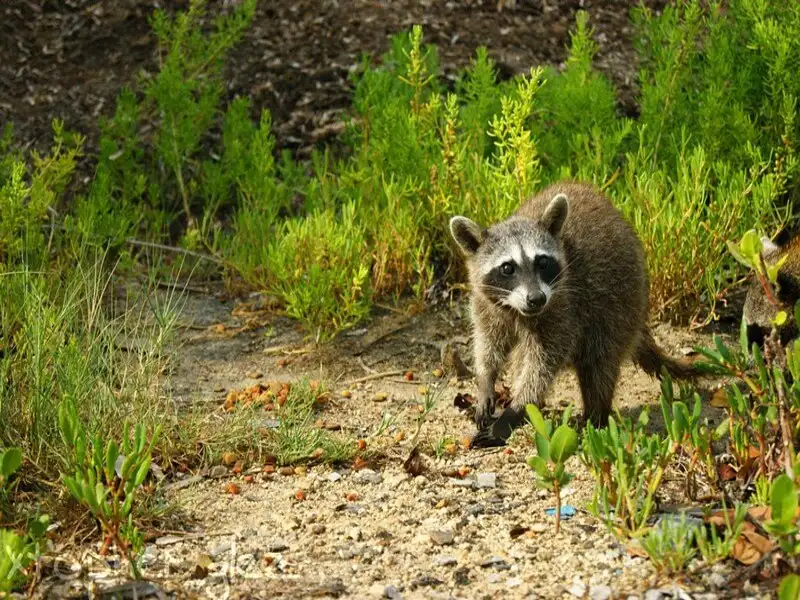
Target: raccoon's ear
(467, 234)
(555, 214)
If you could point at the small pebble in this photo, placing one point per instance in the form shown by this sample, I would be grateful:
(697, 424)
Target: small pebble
(600, 592)
(368, 476)
(578, 588)
(318, 529)
(217, 472)
(334, 477)
(392, 593)
(441, 537)
(445, 560)
(486, 480)
(513, 582)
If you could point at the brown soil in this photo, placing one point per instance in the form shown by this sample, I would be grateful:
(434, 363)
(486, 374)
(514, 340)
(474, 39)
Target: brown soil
(69, 59)
(382, 532)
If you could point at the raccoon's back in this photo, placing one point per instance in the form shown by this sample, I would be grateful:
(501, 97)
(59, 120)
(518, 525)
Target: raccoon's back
(605, 256)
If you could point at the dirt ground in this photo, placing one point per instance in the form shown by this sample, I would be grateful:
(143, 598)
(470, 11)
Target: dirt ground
(69, 58)
(379, 531)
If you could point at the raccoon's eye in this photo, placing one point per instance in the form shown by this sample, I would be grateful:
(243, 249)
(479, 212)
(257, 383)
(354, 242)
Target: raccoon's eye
(547, 267)
(507, 268)
(543, 262)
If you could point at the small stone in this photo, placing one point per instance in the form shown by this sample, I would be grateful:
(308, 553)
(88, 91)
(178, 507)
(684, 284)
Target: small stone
(717, 580)
(149, 556)
(286, 470)
(475, 509)
(255, 375)
(183, 483)
(277, 546)
(578, 588)
(600, 592)
(217, 472)
(441, 537)
(486, 480)
(493, 578)
(445, 560)
(368, 476)
(464, 483)
(334, 477)
(318, 529)
(300, 470)
(220, 549)
(513, 582)
(168, 540)
(392, 593)
(355, 534)
(495, 562)
(538, 528)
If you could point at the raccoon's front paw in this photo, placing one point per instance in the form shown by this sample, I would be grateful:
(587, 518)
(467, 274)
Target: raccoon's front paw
(498, 431)
(484, 410)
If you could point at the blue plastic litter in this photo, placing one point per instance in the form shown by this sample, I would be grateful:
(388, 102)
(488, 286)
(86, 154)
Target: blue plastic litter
(567, 512)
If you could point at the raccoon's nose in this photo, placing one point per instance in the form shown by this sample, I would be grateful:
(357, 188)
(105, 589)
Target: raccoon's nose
(536, 299)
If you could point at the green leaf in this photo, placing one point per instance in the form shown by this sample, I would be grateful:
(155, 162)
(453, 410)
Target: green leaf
(112, 452)
(780, 318)
(744, 344)
(10, 462)
(542, 446)
(74, 488)
(750, 246)
(139, 437)
(539, 465)
(797, 312)
(536, 418)
(722, 349)
(772, 270)
(722, 428)
(142, 472)
(783, 500)
(734, 250)
(100, 493)
(564, 444)
(789, 589)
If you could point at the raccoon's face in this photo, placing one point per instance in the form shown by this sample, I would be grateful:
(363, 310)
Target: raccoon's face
(517, 263)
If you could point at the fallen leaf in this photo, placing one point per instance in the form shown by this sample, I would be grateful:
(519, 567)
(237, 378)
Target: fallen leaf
(232, 488)
(359, 463)
(228, 458)
(286, 471)
(299, 495)
(414, 464)
(750, 547)
(719, 399)
(300, 470)
(317, 454)
(437, 373)
(351, 497)
(362, 445)
(248, 479)
(451, 448)
(269, 469)
(399, 436)
(346, 394)
(237, 468)
(409, 376)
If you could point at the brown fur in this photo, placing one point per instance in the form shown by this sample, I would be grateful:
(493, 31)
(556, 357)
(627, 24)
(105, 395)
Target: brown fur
(595, 319)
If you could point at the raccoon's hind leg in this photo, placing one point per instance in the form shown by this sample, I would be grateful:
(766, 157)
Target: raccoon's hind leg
(533, 374)
(598, 380)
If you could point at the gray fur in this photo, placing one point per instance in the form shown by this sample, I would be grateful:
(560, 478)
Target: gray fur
(759, 311)
(594, 315)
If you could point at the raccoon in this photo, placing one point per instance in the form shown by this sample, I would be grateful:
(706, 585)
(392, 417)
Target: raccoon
(562, 282)
(759, 311)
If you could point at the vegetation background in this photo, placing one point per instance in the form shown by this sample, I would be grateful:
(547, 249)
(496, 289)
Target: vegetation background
(183, 165)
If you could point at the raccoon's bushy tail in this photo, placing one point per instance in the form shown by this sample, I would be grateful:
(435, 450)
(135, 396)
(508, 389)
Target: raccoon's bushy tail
(651, 359)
